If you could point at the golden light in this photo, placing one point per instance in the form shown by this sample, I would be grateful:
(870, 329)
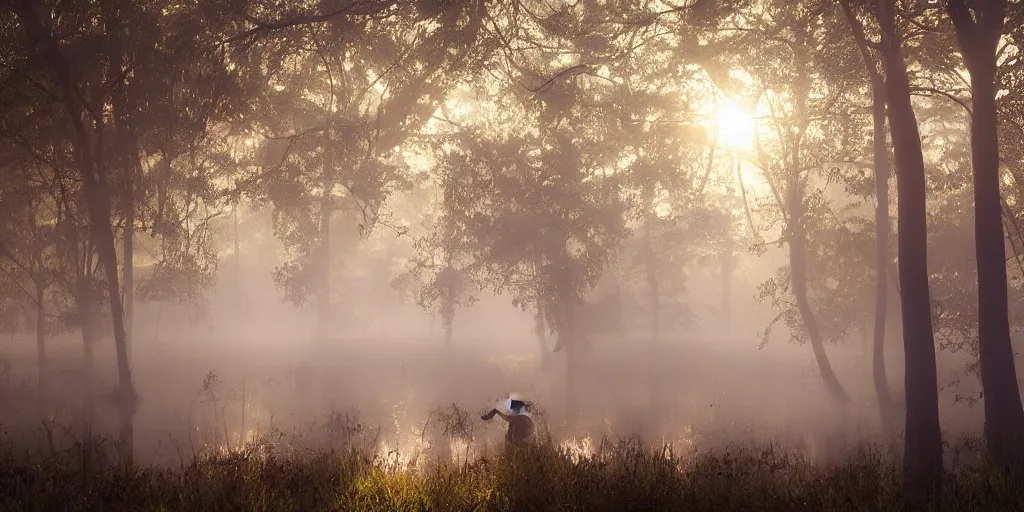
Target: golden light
(578, 449)
(735, 126)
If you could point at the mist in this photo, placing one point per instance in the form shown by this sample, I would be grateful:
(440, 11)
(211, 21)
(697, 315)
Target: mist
(711, 382)
(259, 232)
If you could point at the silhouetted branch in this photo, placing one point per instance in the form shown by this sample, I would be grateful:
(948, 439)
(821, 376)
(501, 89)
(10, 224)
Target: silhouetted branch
(571, 71)
(931, 91)
(265, 27)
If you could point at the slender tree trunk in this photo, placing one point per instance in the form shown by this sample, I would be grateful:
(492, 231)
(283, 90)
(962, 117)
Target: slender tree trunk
(564, 316)
(743, 194)
(882, 228)
(239, 292)
(540, 319)
(651, 264)
(654, 293)
(1010, 219)
(127, 156)
(129, 272)
(922, 455)
(127, 399)
(44, 389)
(448, 332)
(98, 202)
(654, 289)
(978, 37)
(452, 287)
(798, 279)
(709, 167)
(796, 231)
(572, 346)
(880, 379)
(448, 317)
(323, 299)
(568, 295)
(540, 328)
(85, 315)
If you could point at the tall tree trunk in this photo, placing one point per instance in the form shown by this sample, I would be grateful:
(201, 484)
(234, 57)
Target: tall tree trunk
(451, 287)
(796, 231)
(44, 389)
(127, 155)
(651, 264)
(572, 348)
(98, 202)
(86, 299)
(541, 330)
(564, 316)
(880, 379)
(654, 291)
(882, 228)
(448, 317)
(540, 319)
(738, 162)
(128, 269)
(127, 399)
(797, 241)
(922, 455)
(238, 267)
(446, 285)
(978, 38)
(323, 298)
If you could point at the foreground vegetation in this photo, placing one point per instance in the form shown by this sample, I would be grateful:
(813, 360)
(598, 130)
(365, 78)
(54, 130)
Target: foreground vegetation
(542, 477)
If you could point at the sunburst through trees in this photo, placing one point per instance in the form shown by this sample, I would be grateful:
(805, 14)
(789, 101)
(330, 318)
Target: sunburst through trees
(629, 174)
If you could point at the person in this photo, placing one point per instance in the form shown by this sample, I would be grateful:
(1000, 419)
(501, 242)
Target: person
(520, 424)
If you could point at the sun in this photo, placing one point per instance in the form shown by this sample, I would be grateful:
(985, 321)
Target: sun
(735, 126)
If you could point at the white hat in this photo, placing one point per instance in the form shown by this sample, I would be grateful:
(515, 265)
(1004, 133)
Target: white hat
(516, 407)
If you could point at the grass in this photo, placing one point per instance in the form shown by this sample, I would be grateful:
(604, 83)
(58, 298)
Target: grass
(296, 474)
(626, 476)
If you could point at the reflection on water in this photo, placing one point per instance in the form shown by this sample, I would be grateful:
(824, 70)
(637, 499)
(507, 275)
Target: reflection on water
(412, 433)
(391, 411)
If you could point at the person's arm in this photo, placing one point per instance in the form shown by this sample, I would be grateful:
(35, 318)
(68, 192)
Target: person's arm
(488, 416)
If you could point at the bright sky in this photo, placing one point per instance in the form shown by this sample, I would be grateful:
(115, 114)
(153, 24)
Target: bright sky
(735, 126)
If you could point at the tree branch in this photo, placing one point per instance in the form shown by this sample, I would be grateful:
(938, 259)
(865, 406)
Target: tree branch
(265, 27)
(931, 91)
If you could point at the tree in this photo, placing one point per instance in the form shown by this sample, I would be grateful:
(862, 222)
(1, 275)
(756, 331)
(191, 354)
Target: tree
(922, 459)
(809, 123)
(979, 27)
(110, 119)
(440, 273)
(339, 92)
(170, 98)
(28, 244)
(92, 171)
(882, 222)
(537, 201)
(42, 198)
